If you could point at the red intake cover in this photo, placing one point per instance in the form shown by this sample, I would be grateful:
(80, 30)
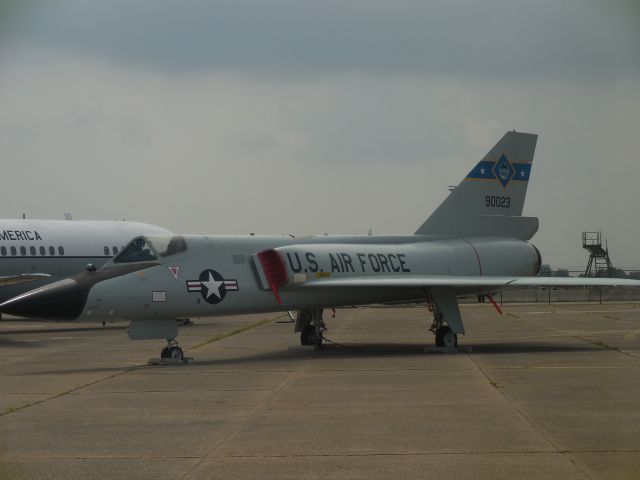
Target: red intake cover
(275, 271)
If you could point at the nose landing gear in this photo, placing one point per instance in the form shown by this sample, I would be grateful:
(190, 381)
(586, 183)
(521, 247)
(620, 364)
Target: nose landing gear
(172, 354)
(172, 350)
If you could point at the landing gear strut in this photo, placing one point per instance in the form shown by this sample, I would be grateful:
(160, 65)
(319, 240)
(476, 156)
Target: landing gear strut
(311, 326)
(445, 337)
(172, 350)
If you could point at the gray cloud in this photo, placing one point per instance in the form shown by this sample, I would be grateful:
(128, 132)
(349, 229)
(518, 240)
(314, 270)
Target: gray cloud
(283, 116)
(493, 38)
(224, 153)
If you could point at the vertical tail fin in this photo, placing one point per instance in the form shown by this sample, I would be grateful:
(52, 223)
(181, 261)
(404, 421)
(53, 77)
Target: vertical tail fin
(489, 200)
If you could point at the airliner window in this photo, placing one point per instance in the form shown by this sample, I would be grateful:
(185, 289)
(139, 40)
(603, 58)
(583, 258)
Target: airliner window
(137, 251)
(115, 250)
(32, 250)
(167, 246)
(106, 250)
(23, 251)
(52, 251)
(61, 250)
(42, 251)
(3, 250)
(13, 251)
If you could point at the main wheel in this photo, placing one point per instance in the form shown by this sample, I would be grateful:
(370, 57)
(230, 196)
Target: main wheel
(449, 339)
(307, 335)
(446, 338)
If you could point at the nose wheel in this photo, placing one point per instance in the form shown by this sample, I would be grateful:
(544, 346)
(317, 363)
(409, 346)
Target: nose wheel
(172, 351)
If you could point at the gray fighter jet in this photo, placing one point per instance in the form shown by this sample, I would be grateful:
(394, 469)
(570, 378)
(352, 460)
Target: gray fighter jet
(475, 243)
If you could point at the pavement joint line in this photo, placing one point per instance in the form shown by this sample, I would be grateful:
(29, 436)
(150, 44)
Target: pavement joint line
(244, 422)
(182, 391)
(500, 390)
(554, 335)
(322, 455)
(377, 370)
(227, 451)
(567, 367)
(426, 454)
(217, 373)
(245, 328)
(600, 344)
(607, 347)
(10, 409)
(564, 333)
(567, 312)
(25, 393)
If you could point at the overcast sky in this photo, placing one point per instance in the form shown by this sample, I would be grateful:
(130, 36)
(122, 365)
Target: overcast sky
(305, 117)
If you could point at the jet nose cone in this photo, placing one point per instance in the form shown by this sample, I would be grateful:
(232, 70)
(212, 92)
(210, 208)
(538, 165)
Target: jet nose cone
(63, 300)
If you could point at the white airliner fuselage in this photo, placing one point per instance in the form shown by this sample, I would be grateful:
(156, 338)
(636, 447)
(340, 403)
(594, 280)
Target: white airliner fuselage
(58, 248)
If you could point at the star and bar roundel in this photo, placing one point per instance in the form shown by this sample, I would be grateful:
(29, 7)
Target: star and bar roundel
(503, 170)
(212, 286)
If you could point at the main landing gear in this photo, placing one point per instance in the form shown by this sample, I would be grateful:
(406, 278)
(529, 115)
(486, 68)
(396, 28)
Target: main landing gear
(446, 334)
(445, 337)
(172, 350)
(311, 326)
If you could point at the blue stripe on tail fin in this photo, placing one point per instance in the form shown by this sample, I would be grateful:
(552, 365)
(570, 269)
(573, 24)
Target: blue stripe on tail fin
(490, 199)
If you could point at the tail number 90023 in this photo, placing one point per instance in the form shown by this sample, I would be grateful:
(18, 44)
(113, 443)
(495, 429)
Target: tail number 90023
(497, 201)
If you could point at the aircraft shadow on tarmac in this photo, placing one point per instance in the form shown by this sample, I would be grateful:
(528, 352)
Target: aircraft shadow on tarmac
(342, 351)
(369, 350)
(9, 343)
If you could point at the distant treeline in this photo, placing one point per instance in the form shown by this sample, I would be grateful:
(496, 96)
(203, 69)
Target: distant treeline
(547, 271)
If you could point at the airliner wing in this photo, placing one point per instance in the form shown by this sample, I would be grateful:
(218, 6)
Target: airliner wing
(422, 281)
(23, 278)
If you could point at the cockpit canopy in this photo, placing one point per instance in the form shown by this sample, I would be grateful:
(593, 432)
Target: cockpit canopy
(151, 247)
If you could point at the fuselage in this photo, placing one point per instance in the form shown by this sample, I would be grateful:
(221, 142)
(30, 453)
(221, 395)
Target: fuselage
(60, 248)
(221, 275)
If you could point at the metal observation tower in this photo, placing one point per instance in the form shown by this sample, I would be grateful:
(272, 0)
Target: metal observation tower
(599, 264)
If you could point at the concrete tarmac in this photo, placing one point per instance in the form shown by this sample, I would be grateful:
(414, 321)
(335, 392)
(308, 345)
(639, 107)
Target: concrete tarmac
(545, 392)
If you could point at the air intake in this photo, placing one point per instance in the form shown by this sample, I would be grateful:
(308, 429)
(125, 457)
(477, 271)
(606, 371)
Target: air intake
(275, 271)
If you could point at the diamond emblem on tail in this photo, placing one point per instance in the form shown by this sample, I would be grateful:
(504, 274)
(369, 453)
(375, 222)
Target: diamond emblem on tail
(504, 171)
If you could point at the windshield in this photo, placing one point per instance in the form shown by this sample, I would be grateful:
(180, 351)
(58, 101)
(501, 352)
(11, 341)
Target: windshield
(137, 251)
(166, 245)
(144, 249)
